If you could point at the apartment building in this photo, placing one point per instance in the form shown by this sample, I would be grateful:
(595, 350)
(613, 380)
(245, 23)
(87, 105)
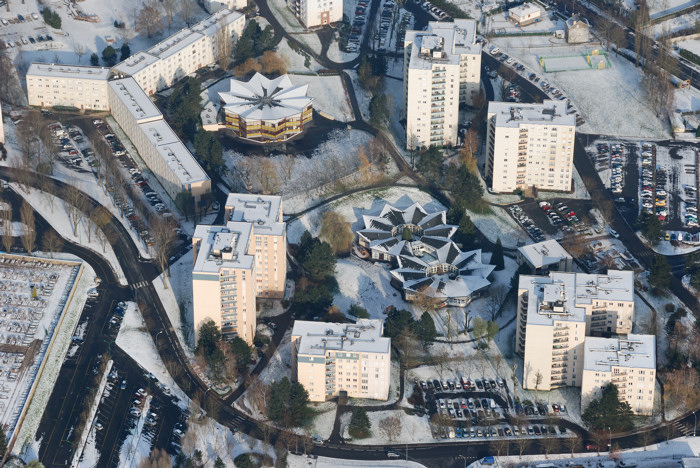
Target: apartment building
(2, 128)
(158, 145)
(216, 5)
(442, 69)
(223, 279)
(51, 85)
(238, 262)
(629, 363)
(269, 235)
(546, 256)
(530, 145)
(183, 53)
(314, 13)
(525, 14)
(329, 358)
(556, 313)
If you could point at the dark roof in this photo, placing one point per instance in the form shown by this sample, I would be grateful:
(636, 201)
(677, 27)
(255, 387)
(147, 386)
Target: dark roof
(395, 216)
(452, 253)
(409, 262)
(436, 220)
(465, 261)
(435, 242)
(375, 235)
(440, 231)
(417, 216)
(376, 224)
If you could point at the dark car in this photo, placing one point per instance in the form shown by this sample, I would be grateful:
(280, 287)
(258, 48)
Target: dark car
(479, 385)
(537, 430)
(437, 385)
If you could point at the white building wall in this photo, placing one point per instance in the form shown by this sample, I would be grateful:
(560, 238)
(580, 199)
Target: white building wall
(2, 128)
(314, 13)
(81, 93)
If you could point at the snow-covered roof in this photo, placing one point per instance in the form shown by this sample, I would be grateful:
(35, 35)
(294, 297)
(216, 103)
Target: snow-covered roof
(364, 336)
(174, 43)
(135, 100)
(544, 253)
(526, 9)
(265, 99)
(559, 296)
(604, 354)
(68, 71)
(224, 17)
(261, 210)
(135, 63)
(452, 39)
(511, 114)
(222, 247)
(173, 151)
(576, 21)
(429, 262)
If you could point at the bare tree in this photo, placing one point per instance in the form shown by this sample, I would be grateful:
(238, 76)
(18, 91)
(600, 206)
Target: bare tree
(439, 360)
(76, 205)
(264, 175)
(51, 242)
(169, 8)
(538, 382)
(28, 227)
(499, 446)
(149, 20)
(497, 295)
(645, 438)
(522, 443)
(79, 49)
(187, 10)
(224, 45)
(548, 444)
(514, 379)
(7, 239)
(164, 237)
(158, 458)
(390, 427)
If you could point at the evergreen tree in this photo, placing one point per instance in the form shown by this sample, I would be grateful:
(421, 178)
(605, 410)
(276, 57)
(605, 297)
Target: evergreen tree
(125, 52)
(219, 463)
(320, 262)
(94, 60)
(359, 427)
(609, 412)
(241, 350)
(497, 256)
(289, 403)
(396, 321)
(359, 312)
(426, 329)
(659, 272)
(3, 442)
(209, 338)
(109, 56)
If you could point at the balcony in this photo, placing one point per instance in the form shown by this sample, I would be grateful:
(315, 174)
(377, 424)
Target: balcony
(559, 353)
(595, 312)
(559, 365)
(558, 378)
(561, 333)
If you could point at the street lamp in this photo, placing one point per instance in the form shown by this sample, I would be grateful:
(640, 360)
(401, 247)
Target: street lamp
(695, 423)
(157, 334)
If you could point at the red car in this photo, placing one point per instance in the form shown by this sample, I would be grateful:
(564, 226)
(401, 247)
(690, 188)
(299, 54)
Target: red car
(73, 152)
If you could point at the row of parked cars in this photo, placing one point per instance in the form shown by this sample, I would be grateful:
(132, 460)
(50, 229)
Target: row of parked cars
(463, 383)
(562, 217)
(385, 21)
(357, 28)
(527, 223)
(498, 431)
(691, 206)
(432, 10)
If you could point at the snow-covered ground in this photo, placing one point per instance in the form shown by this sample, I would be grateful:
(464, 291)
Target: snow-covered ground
(300, 461)
(693, 45)
(135, 340)
(547, 23)
(296, 60)
(414, 429)
(178, 294)
(580, 192)
(598, 94)
(53, 360)
(658, 8)
(368, 285)
(328, 94)
(678, 23)
(285, 16)
(498, 224)
(280, 364)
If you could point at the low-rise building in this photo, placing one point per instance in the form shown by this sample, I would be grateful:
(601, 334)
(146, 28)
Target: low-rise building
(330, 358)
(52, 85)
(544, 257)
(525, 14)
(530, 145)
(160, 148)
(239, 262)
(314, 13)
(442, 68)
(554, 315)
(629, 363)
(266, 111)
(182, 53)
(577, 30)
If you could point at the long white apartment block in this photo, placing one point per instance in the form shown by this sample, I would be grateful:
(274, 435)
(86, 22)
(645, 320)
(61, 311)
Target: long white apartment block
(530, 145)
(238, 263)
(160, 148)
(629, 363)
(556, 313)
(183, 53)
(442, 68)
(314, 13)
(329, 358)
(51, 85)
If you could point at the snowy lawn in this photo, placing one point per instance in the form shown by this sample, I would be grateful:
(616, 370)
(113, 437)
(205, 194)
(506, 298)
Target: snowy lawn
(414, 429)
(176, 292)
(280, 364)
(328, 95)
(296, 60)
(598, 94)
(498, 224)
(300, 461)
(285, 16)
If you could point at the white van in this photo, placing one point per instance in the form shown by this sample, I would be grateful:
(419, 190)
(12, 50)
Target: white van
(92, 292)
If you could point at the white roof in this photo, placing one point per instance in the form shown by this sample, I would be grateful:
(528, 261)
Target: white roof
(454, 39)
(136, 101)
(136, 63)
(560, 295)
(265, 99)
(364, 336)
(544, 253)
(511, 114)
(222, 247)
(209, 26)
(68, 71)
(174, 43)
(524, 10)
(261, 210)
(173, 151)
(635, 351)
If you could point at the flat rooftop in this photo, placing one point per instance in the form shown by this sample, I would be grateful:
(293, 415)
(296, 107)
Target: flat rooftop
(136, 101)
(175, 43)
(136, 63)
(261, 210)
(174, 152)
(208, 26)
(617, 285)
(544, 253)
(514, 114)
(524, 10)
(455, 39)
(68, 71)
(223, 247)
(364, 336)
(635, 351)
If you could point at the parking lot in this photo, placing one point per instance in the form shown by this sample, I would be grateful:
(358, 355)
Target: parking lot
(553, 218)
(483, 408)
(13, 31)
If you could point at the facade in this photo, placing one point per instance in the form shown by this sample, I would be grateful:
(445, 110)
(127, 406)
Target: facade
(183, 53)
(525, 14)
(428, 262)
(266, 111)
(546, 256)
(51, 85)
(158, 145)
(314, 13)
(238, 262)
(554, 315)
(329, 358)
(577, 30)
(2, 128)
(442, 69)
(629, 363)
(530, 145)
